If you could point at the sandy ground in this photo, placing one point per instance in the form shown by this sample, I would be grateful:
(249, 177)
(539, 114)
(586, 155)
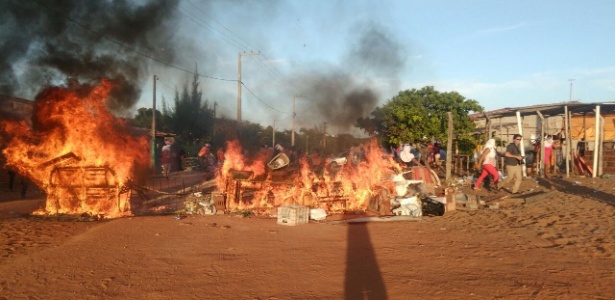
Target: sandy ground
(556, 241)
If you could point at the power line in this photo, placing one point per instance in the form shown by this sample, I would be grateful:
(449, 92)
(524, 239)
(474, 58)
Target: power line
(238, 41)
(168, 85)
(127, 47)
(263, 102)
(245, 43)
(275, 72)
(212, 29)
(149, 56)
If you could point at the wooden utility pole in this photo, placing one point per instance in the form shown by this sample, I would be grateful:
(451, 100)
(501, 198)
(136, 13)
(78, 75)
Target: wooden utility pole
(567, 148)
(597, 140)
(273, 134)
(522, 145)
(487, 126)
(213, 123)
(324, 137)
(541, 162)
(239, 83)
(449, 146)
(153, 158)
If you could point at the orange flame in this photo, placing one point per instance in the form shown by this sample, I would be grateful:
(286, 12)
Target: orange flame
(250, 185)
(76, 150)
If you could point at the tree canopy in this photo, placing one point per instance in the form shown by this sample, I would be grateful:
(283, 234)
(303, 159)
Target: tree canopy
(411, 116)
(420, 115)
(190, 117)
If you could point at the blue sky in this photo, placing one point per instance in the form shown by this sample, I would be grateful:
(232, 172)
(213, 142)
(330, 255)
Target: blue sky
(500, 53)
(338, 59)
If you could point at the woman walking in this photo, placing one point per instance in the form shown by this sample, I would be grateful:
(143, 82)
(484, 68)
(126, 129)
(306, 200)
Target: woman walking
(488, 160)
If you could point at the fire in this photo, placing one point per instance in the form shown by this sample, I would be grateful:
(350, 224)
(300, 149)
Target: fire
(76, 151)
(250, 185)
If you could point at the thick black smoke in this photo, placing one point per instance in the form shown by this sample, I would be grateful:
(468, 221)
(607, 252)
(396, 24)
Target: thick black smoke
(345, 93)
(45, 42)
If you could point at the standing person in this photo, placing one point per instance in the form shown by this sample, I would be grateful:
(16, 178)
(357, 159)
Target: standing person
(560, 154)
(548, 151)
(435, 154)
(203, 154)
(513, 160)
(24, 186)
(407, 157)
(488, 162)
(178, 153)
(12, 175)
(166, 159)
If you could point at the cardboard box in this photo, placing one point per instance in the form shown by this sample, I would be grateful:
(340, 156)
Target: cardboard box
(293, 215)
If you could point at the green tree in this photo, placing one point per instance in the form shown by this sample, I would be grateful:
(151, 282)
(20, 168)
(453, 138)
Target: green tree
(143, 118)
(419, 115)
(190, 118)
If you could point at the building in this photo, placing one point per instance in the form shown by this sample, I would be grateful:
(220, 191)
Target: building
(570, 119)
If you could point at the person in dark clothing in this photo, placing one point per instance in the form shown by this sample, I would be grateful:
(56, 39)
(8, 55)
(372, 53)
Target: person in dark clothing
(24, 186)
(12, 175)
(513, 160)
(177, 154)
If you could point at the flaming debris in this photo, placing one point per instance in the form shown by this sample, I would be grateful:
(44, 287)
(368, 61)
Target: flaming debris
(250, 186)
(76, 151)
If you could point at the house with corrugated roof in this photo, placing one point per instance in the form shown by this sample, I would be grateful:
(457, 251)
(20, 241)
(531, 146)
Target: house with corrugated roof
(582, 153)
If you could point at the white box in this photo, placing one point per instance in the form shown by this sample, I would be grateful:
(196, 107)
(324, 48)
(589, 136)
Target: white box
(293, 215)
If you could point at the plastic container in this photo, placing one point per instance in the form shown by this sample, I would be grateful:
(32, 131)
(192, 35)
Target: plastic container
(293, 215)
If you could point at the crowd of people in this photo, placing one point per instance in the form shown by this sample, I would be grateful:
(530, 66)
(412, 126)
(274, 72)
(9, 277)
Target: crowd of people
(486, 161)
(415, 154)
(486, 158)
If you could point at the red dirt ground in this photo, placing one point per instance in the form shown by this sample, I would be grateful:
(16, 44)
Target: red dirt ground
(554, 242)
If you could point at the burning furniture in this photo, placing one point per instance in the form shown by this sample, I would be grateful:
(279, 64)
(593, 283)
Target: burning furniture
(263, 183)
(73, 188)
(92, 189)
(76, 150)
(244, 190)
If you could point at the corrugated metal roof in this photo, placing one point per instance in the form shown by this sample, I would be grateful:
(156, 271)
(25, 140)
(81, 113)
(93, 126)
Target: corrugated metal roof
(549, 110)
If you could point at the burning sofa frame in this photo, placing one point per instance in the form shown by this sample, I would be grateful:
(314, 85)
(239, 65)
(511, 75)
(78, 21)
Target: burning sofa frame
(81, 189)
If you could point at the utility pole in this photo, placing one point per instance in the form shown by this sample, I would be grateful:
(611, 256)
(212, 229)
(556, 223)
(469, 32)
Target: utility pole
(324, 137)
(239, 83)
(213, 123)
(273, 134)
(153, 142)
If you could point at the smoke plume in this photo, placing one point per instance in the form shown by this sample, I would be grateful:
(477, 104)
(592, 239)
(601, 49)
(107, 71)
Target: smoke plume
(47, 42)
(344, 93)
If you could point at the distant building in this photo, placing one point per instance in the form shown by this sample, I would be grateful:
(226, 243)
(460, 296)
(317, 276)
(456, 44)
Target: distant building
(549, 119)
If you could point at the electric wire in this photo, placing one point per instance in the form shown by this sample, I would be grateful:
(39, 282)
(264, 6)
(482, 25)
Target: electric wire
(151, 57)
(127, 47)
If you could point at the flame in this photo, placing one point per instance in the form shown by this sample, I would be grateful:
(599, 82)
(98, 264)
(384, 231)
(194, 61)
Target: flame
(249, 185)
(76, 150)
